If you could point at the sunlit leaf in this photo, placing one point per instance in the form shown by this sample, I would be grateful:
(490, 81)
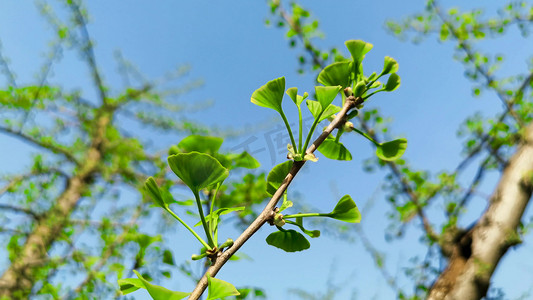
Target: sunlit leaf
(392, 150)
(225, 159)
(360, 89)
(326, 94)
(293, 93)
(153, 190)
(392, 83)
(288, 240)
(277, 175)
(197, 170)
(346, 211)
(219, 212)
(390, 66)
(159, 292)
(130, 285)
(330, 110)
(219, 288)
(334, 150)
(358, 49)
(315, 108)
(270, 95)
(337, 73)
(199, 143)
(245, 160)
(286, 204)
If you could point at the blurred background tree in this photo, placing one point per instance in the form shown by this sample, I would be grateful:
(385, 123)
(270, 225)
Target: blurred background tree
(65, 214)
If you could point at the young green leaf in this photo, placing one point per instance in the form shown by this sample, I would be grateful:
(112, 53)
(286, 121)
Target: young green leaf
(159, 292)
(390, 66)
(199, 143)
(219, 212)
(358, 49)
(326, 94)
(360, 89)
(197, 170)
(346, 211)
(334, 150)
(130, 285)
(153, 190)
(226, 160)
(286, 204)
(288, 240)
(329, 111)
(338, 73)
(314, 107)
(392, 150)
(277, 175)
(293, 93)
(219, 288)
(316, 110)
(392, 83)
(245, 160)
(270, 95)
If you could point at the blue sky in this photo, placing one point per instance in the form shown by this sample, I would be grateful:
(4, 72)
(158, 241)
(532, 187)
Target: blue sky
(229, 47)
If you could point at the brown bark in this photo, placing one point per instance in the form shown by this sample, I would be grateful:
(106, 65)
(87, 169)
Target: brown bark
(476, 256)
(18, 280)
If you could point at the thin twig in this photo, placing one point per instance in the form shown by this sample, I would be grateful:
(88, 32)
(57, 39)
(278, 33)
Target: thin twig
(89, 52)
(35, 142)
(471, 57)
(18, 209)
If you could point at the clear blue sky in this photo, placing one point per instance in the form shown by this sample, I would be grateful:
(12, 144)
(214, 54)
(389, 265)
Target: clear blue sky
(229, 47)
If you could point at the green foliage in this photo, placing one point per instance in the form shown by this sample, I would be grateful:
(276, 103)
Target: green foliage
(333, 149)
(250, 191)
(130, 285)
(321, 114)
(392, 83)
(392, 150)
(270, 95)
(203, 144)
(277, 175)
(346, 211)
(197, 170)
(288, 240)
(326, 94)
(219, 288)
(338, 73)
(151, 187)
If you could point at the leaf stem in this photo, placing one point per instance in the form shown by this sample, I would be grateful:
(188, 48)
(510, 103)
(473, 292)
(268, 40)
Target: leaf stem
(371, 94)
(311, 131)
(299, 150)
(366, 136)
(204, 223)
(188, 227)
(306, 215)
(340, 131)
(214, 231)
(288, 129)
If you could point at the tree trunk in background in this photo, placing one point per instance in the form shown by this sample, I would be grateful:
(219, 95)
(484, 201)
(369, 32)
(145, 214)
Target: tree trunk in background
(18, 280)
(477, 254)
